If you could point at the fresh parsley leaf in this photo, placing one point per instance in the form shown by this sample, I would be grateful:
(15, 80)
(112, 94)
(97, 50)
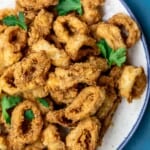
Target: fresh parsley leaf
(43, 102)
(113, 57)
(7, 103)
(15, 21)
(29, 115)
(66, 6)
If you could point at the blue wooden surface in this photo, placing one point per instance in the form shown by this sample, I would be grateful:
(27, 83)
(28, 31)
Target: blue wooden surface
(141, 138)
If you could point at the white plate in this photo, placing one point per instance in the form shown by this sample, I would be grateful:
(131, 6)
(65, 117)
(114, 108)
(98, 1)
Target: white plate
(128, 116)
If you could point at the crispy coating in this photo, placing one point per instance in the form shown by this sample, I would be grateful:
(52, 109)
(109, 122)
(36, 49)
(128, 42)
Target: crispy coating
(110, 33)
(7, 81)
(86, 103)
(81, 45)
(68, 26)
(12, 42)
(36, 4)
(18, 136)
(129, 27)
(31, 72)
(3, 143)
(41, 26)
(108, 103)
(132, 82)
(58, 56)
(91, 11)
(64, 96)
(51, 138)
(38, 145)
(58, 117)
(84, 136)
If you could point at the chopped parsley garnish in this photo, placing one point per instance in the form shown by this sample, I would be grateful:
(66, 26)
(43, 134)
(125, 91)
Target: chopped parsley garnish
(113, 57)
(6, 104)
(66, 6)
(15, 21)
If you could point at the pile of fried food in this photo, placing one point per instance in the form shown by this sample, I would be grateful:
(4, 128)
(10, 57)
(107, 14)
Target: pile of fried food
(63, 72)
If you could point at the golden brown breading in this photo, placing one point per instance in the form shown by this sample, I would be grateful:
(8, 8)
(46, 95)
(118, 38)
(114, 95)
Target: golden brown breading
(58, 117)
(128, 82)
(58, 56)
(81, 45)
(51, 138)
(84, 136)
(18, 136)
(129, 27)
(3, 143)
(38, 145)
(68, 26)
(7, 82)
(36, 4)
(91, 11)
(31, 72)
(110, 33)
(41, 26)
(64, 96)
(12, 42)
(86, 103)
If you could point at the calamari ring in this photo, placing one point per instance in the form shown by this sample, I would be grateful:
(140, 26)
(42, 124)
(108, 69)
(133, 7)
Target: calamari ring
(110, 33)
(16, 36)
(51, 138)
(86, 103)
(36, 4)
(7, 12)
(17, 135)
(58, 117)
(7, 82)
(58, 56)
(132, 82)
(79, 44)
(41, 26)
(91, 14)
(85, 136)
(67, 26)
(3, 143)
(31, 71)
(132, 31)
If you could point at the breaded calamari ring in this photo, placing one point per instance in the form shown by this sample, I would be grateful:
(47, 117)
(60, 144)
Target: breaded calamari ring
(51, 138)
(84, 136)
(31, 72)
(132, 82)
(85, 72)
(38, 145)
(91, 11)
(36, 4)
(128, 26)
(79, 44)
(7, 81)
(110, 33)
(12, 42)
(3, 143)
(86, 103)
(18, 137)
(58, 56)
(40, 27)
(58, 117)
(67, 26)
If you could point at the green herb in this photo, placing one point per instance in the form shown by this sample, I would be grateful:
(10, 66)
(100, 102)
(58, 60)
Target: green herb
(15, 21)
(29, 115)
(7, 103)
(43, 102)
(113, 57)
(66, 6)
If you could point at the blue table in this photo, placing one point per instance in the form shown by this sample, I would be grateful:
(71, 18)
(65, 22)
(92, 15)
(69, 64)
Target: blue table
(141, 138)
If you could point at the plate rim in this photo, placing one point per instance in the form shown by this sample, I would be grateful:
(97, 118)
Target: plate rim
(147, 97)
